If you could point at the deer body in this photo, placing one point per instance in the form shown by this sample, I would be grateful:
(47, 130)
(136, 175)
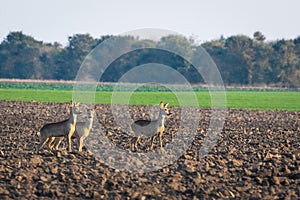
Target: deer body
(64, 128)
(154, 128)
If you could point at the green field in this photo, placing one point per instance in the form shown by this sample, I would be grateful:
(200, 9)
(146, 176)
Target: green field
(260, 100)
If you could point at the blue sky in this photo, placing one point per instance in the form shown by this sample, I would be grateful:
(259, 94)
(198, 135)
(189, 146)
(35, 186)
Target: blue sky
(55, 20)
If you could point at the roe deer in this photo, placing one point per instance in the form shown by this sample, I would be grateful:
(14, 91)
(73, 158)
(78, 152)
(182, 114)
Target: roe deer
(82, 130)
(153, 128)
(64, 128)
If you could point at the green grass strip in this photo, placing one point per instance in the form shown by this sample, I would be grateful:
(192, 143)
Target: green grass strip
(280, 100)
(258, 100)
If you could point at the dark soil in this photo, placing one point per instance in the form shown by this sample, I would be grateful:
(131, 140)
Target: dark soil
(257, 156)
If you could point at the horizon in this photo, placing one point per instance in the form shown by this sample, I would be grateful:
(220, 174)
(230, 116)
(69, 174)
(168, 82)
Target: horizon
(197, 42)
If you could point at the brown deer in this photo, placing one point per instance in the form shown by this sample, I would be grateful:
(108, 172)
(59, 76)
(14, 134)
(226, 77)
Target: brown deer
(64, 128)
(82, 130)
(154, 128)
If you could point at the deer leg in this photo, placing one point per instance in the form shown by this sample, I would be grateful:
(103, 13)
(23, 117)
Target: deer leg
(160, 139)
(152, 141)
(70, 143)
(81, 143)
(43, 142)
(134, 143)
(69, 140)
(57, 142)
(78, 141)
(50, 142)
(137, 141)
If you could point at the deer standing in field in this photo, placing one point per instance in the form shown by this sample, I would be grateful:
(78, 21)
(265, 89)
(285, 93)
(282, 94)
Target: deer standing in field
(82, 130)
(154, 128)
(64, 128)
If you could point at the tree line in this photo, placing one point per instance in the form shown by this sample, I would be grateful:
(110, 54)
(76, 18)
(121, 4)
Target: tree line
(241, 60)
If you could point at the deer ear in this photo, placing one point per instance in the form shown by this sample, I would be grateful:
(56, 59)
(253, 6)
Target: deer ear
(166, 105)
(161, 104)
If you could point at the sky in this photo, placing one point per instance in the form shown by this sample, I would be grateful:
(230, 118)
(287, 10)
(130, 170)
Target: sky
(204, 20)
